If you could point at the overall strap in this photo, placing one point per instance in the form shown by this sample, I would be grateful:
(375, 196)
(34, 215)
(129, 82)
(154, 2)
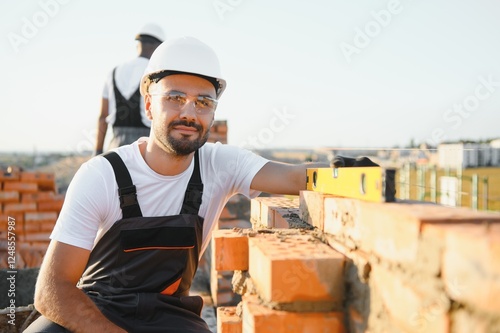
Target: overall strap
(126, 189)
(194, 190)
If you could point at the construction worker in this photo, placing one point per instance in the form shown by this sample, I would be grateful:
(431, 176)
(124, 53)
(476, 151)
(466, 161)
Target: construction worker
(136, 220)
(121, 105)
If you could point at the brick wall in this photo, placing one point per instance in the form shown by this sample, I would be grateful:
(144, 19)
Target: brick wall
(318, 263)
(29, 206)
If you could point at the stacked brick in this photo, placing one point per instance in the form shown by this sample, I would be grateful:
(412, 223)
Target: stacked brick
(389, 267)
(413, 267)
(290, 281)
(30, 205)
(232, 216)
(218, 132)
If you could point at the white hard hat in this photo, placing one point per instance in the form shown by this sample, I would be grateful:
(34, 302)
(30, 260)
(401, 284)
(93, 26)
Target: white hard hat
(183, 55)
(151, 30)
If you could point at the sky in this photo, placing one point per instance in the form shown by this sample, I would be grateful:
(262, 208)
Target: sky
(323, 73)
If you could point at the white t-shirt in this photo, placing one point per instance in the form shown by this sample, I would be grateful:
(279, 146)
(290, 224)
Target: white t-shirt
(92, 206)
(127, 77)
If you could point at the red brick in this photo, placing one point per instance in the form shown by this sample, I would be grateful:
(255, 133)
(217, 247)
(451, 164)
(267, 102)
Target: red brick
(16, 220)
(384, 229)
(471, 269)
(9, 196)
(226, 214)
(6, 221)
(228, 321)
(46, 181)
(9, 176)
(255, 210)
(39, 222)
(391, 230)
(236, 223)
(220, 126)
(230, 250)
(36, 237)
(294, 268)
(465, 322)
(263, 211)
(412, 309)
(32, 254)
(40, 216)
(20, 187)
(217, 137)
(52, 205)
(19, 207)
(39, 196)
(260, 319)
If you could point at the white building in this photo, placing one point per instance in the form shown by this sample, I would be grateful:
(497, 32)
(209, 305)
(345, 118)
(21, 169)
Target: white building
(469, 155)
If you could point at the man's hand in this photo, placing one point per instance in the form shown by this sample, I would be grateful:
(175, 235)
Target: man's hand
(340, 161)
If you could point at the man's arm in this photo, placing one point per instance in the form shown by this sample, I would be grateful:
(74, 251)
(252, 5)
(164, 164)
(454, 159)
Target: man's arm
(102, 126)
(58, 298)
(283, 178)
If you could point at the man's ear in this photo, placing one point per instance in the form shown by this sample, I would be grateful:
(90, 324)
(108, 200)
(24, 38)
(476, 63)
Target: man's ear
(147, 107)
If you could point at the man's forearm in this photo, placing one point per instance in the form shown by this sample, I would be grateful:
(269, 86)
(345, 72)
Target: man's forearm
(102, 128)
(69, 307)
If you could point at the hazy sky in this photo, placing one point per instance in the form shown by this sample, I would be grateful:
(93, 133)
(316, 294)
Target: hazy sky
(300, 73)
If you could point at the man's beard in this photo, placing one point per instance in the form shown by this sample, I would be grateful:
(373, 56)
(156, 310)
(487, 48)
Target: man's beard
(185, 146)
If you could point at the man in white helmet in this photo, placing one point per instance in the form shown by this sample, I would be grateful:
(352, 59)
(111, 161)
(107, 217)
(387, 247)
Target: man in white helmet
(122, 106)
(136, 220)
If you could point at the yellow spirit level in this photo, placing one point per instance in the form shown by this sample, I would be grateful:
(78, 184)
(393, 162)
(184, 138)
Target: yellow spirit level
(374, 184)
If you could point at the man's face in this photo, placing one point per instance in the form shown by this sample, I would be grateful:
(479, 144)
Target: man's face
(179, 125)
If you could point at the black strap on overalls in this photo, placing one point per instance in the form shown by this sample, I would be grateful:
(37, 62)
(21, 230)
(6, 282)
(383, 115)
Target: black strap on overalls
(128, 111)
(128, 192)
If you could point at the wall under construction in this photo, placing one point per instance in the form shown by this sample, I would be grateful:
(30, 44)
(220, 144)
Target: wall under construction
(361, 267)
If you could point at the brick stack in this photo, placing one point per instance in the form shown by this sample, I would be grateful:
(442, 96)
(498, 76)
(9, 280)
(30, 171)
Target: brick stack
(403, 268)
(232, 216)
(294, 282)
(30, 202)
(414, 267)
(218, 132)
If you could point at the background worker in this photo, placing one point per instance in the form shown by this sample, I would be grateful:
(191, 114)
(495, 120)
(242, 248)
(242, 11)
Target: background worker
(122, 106)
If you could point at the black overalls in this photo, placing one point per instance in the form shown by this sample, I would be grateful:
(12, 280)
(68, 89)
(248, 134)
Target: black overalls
(128, 125)
(140, 272)
(128, 111)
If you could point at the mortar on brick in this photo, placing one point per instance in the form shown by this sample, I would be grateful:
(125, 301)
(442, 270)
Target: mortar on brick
(241, 283)
(471, 270)
(465, 321)
(413, 306)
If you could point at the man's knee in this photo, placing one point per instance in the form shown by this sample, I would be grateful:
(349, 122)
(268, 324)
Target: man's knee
(43, 325)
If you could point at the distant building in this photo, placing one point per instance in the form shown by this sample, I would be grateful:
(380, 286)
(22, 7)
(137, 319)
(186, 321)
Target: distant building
(469, 155)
